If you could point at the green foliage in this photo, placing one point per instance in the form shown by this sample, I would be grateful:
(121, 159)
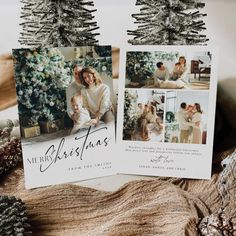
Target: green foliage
(140, 65)
(101, 65)
(166, 56)
(130, 106)
(170, 116)
(41, 76)
(103, 51)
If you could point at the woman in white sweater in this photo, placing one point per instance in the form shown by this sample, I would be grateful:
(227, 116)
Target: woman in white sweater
(197, 120)
(180, 70)
(96, 96)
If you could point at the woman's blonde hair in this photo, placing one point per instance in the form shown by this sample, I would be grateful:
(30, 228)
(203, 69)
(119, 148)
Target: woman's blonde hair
(198, 107)
(73, 99)
(96, 76)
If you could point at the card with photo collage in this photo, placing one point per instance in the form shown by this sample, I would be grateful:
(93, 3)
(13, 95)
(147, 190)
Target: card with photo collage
(167, 98)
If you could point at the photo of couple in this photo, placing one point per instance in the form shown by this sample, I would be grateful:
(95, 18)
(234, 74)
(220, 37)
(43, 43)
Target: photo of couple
(168, 70)
(162, 73)
(186, 122)
(88, 99)
(189, 120)
(143, 115)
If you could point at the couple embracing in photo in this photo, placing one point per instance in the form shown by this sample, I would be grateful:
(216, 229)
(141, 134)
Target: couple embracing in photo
(88, 99)
(189, 118)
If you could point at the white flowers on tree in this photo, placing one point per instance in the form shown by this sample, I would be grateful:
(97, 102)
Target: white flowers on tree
(58, 23)
(169, 22)
(41, 78)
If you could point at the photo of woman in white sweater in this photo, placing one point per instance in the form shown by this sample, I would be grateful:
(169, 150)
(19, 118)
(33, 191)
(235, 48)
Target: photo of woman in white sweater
(96, 96)
(197, 124)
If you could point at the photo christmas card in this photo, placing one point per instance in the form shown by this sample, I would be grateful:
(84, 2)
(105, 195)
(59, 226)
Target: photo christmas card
(167, 98)
(67, 113)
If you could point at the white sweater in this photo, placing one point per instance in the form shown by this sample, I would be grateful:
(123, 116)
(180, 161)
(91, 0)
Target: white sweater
(197, 117)
(182, 119)
(161, 75)
(82, 117)
(96, 99)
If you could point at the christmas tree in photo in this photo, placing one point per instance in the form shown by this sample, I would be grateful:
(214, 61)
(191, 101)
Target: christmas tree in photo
(130, 112)
(139, 67)
(169, 22)
(41, 79)
(58, 23)
(97, 57)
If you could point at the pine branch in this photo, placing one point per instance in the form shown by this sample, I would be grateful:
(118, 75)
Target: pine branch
(163, 22)
(58, 23)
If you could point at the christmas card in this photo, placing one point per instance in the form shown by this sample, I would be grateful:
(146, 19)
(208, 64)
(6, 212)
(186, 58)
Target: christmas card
(167, 98)
(67, 113)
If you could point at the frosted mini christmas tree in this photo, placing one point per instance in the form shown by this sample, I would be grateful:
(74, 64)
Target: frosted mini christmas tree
(58, 23)
(169, 22)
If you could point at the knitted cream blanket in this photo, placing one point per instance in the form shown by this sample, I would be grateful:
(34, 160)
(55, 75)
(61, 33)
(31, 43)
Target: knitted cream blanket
(148, 207)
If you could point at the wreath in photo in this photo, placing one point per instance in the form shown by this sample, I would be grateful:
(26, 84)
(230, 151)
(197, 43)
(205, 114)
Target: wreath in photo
(170, 116)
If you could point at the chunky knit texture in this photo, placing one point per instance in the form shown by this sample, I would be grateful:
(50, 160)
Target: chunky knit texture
(160, 206)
